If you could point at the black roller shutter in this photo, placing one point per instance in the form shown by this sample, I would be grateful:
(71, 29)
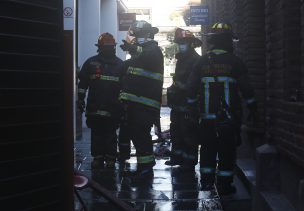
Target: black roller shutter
(34, 160)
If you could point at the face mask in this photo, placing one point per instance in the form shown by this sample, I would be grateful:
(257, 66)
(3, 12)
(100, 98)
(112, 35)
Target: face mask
(141, 40)
(182, 48)
(108, 51)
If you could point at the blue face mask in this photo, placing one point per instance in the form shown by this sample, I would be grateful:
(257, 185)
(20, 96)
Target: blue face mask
(182, 48)
(141, 40)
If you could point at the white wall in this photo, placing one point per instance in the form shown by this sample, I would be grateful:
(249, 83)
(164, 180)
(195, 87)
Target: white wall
(96, 17)
(109, 23)
(121, 35)
(88, 28)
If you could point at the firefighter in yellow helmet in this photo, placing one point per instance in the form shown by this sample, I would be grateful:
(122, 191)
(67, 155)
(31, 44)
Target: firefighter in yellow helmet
(218, 78)
(99, 79)
(141, 93)
(183, 134)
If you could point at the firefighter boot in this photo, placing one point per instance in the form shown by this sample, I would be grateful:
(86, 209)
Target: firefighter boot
(224, 185)
(122, 159)
(183, 170)
(172, 162)
(143, 174)
(110, 161)
(175, 159)
(226, 189)
(98, 162)
(110, 164)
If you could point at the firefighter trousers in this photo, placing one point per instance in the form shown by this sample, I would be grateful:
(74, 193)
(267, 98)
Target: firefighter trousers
(104, 138)
(184, 140)
(139, 123)
(124, 141)
(218, 153)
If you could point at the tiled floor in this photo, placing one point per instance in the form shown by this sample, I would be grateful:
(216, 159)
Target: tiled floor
(167, 191)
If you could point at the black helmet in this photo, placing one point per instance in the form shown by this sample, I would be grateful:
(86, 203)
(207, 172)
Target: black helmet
(221, 37)
(222, 29)
(141, 28)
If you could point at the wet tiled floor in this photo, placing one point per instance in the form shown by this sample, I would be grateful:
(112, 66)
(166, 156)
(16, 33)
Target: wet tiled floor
(167, 190)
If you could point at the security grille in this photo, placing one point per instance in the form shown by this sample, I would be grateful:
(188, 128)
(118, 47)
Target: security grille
(31, 105)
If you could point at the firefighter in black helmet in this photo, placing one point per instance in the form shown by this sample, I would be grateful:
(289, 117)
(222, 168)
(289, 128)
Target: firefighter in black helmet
(183, 135)
(218, 78)
(141, 92)
(100, 77)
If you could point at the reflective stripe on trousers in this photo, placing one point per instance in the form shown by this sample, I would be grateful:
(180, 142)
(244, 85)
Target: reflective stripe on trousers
(207, 170)
(145, 159)
(225, 173)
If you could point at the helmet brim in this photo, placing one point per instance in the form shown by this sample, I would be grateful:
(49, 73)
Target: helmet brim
(154, 30)
(234, 38)
(104, 45)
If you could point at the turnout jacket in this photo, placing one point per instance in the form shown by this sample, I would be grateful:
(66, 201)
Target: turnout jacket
(177, 94)
(102, 78)
(219, 74)
(143, 79)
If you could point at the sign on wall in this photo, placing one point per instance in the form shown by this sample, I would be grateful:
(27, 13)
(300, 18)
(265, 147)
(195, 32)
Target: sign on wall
(199, 15)
(68, 14)
(125, 20)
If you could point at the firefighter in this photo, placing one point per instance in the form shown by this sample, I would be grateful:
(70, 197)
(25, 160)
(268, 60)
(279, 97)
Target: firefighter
(100, 76)
(141, 92)
(124, 139)
(183, 135)
(218, 78)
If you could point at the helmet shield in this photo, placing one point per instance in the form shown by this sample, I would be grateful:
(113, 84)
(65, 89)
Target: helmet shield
(142, 28)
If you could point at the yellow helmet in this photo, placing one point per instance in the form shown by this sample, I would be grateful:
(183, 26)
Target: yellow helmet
(219, 28)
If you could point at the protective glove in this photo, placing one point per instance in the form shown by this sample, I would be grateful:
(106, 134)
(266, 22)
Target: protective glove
(171, 96)
(81, 105)
(128, 47)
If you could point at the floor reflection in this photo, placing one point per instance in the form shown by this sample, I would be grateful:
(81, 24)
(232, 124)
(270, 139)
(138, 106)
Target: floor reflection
(169, 189)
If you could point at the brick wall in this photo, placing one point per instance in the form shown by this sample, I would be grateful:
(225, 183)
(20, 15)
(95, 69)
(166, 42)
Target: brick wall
(285, 119)
(36, 146)
(253, 49)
